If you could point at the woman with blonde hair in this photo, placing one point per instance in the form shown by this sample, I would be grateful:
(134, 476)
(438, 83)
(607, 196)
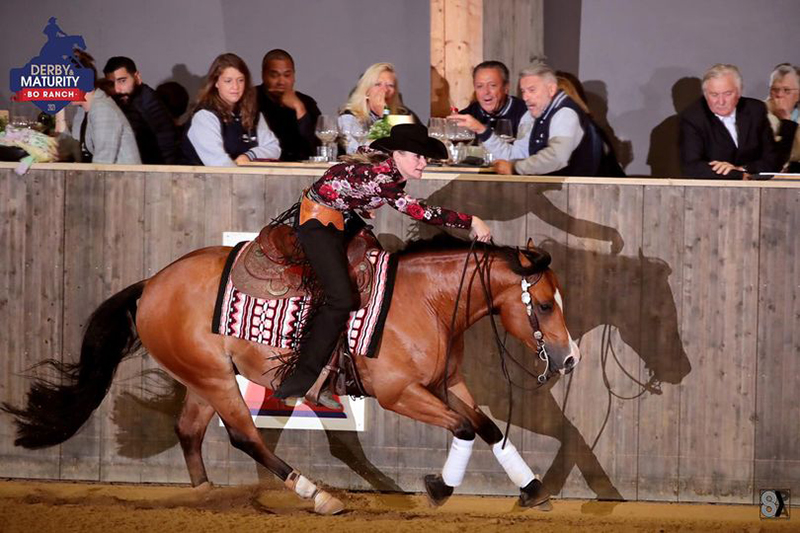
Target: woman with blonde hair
(377, 88)
(226, 128)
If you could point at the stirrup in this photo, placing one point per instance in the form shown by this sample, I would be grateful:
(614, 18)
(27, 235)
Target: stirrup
(325, 399)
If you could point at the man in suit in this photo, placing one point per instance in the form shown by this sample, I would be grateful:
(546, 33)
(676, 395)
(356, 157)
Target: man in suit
(724, 135)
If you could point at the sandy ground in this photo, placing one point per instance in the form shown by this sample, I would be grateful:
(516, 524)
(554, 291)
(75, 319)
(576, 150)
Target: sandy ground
(42, 507)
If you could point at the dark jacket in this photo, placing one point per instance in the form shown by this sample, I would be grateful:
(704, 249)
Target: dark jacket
(297, 137)
(155, 132)
(704, 138)
(513, 110)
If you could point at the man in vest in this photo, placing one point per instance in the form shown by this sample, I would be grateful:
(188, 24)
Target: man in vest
(554, 137)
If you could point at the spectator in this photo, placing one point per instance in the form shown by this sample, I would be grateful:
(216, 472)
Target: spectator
(292, 115)
(724, 135)
(552, 136)
(155, 131)
(783, 114)
(609, 164)
(100, 132)
(175, 97)
(492, 101)
(376, 88)
(227, 128)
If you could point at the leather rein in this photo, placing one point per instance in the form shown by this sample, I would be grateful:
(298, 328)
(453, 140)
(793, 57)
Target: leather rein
(483, 268)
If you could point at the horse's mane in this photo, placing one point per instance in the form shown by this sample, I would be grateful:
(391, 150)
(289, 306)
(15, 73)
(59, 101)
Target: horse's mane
(443, 242)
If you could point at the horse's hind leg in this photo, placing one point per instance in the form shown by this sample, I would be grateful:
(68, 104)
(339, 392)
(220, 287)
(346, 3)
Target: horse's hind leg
(532, 491)
(227, 401)
(191, 428)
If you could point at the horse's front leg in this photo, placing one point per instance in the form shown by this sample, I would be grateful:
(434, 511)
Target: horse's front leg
(418, 403)
(532, 491)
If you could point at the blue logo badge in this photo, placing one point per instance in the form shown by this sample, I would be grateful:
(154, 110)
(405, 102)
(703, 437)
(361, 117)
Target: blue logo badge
(55, 77)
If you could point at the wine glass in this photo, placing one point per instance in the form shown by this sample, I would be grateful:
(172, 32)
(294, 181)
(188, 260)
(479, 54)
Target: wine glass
(502, 129)
(356, 130)
(327, 131)
(436, 126)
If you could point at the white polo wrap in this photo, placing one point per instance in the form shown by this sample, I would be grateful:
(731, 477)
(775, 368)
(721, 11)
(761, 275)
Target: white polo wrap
(512, 462)
(305, 488)
(457, 460)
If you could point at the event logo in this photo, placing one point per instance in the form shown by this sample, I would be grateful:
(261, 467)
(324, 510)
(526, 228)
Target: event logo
(55, 77)
(775, 504)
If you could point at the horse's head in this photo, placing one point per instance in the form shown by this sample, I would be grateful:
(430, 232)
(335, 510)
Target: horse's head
(532, 309)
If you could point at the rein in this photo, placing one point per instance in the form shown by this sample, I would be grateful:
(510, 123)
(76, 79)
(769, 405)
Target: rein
(483, 268)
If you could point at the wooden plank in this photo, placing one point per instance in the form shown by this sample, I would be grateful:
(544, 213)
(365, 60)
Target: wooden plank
(84, 290)
(605, 292)
(31, 236)
(547, 224)
(498, 41)
(123, 264)
(720, 275)
(463, 43)
(777, 455)
(662, 355)
(440, 88)
(528, 35)
(175, 213)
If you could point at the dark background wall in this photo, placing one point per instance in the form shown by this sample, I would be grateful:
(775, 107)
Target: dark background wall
(639, 60)
(332, 41)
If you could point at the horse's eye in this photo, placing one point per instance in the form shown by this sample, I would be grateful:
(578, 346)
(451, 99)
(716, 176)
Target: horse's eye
(546, 307)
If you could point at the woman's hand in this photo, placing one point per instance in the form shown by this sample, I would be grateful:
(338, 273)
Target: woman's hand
(480, 230)
(376, 99)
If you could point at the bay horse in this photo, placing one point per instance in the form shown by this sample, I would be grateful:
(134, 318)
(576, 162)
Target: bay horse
(170, 315)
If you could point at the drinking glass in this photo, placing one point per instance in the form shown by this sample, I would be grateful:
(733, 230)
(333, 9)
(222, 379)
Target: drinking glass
(503, 130)
(357, 131)
(436, 126)
(327, 131)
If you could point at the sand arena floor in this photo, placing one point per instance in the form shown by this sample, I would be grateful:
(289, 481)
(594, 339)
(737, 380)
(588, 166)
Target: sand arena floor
(43, 507)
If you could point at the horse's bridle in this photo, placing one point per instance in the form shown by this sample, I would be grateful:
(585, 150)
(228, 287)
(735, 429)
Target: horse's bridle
(541, 350)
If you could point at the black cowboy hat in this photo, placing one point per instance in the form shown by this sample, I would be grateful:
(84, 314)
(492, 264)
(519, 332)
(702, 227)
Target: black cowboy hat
(411, 138)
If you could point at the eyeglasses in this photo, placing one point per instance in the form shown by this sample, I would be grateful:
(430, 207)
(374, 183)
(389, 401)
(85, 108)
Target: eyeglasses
(786, 91)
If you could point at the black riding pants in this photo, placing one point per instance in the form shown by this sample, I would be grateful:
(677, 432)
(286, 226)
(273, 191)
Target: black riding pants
(325, 248)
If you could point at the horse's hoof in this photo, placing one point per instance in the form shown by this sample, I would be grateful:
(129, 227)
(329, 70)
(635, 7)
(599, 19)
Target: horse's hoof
(203, 487)
(326, 504)
(438, 491)
(534, 495)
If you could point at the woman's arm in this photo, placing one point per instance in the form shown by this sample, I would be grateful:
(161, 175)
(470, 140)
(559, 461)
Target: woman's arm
(205, 134)
(268, 145)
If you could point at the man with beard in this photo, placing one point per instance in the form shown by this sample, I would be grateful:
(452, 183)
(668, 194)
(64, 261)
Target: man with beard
(290, 114)
(155, 130)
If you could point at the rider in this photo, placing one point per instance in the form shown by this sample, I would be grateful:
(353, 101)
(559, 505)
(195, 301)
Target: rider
(52, 30)
(362, 183)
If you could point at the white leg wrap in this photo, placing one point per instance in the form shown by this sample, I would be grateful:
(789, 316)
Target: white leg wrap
(457, 460)
(512, 462)
(305, 488)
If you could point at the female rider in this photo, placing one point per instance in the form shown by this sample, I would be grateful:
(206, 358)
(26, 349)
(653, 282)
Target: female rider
(364, 182)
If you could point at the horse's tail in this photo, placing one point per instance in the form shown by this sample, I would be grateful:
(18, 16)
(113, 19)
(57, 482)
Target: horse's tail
(56, 411)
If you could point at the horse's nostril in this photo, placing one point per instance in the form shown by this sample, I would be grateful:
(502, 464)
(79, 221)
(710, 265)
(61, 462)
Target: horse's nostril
(569, 362)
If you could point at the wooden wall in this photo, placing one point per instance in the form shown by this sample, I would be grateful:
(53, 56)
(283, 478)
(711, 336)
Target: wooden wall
(684, 296)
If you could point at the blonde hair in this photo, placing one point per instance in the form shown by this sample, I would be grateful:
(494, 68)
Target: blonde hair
(357, 103)
(566, 85)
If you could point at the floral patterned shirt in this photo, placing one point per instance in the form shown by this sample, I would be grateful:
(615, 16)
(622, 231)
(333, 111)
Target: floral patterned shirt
(363, 187)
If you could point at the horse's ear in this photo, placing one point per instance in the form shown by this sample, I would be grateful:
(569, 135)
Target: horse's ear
(530, 245)
(523, 259)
